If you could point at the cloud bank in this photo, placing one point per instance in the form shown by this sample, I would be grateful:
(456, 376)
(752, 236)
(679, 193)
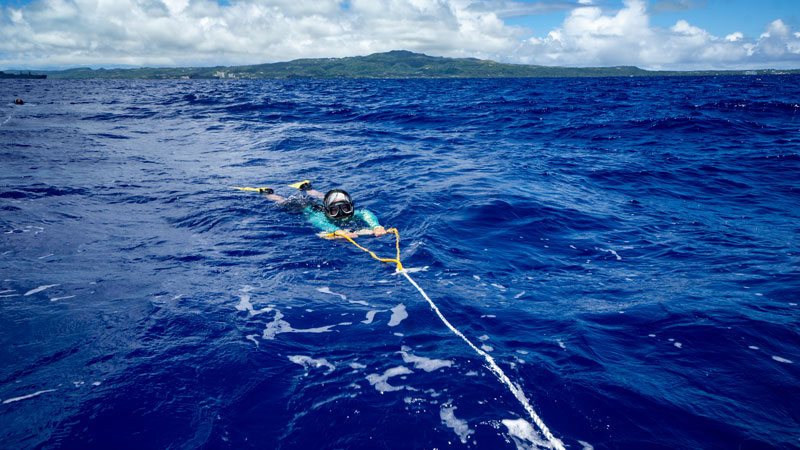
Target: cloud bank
(69, 33)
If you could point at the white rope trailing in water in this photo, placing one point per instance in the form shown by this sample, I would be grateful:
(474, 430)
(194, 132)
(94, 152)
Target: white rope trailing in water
(516, 390)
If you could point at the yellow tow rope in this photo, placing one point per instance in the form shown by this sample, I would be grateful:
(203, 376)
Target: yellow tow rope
(390, 230)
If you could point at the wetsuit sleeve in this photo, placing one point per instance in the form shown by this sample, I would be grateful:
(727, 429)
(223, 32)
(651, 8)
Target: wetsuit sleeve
(368, 217)
(320, 220)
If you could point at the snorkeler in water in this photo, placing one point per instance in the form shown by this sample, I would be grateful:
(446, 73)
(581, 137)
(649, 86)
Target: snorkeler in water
(336, 214)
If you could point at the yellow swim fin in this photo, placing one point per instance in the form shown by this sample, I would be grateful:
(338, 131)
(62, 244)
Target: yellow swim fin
(260, 190)
(304, 185)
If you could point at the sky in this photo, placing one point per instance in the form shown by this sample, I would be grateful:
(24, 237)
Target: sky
(651, 34)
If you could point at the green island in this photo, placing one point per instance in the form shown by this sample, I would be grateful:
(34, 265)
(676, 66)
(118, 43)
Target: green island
(393, 64)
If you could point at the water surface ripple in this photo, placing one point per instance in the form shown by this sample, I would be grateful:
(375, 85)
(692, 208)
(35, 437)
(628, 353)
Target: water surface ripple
(625, 248)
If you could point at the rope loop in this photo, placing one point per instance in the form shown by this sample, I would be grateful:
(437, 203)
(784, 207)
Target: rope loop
(397, 244)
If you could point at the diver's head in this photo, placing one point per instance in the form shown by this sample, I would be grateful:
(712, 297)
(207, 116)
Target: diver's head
(338, 204)
(18, 101)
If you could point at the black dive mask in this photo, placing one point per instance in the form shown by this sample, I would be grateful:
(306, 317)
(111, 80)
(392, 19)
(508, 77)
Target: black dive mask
(338, 204)
(340, 210)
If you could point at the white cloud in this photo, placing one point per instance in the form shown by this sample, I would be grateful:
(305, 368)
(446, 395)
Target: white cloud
(47, 33)
(733, 37)
(591, 37)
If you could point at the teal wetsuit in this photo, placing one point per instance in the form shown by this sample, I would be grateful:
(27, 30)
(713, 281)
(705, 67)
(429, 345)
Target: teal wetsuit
(361, 218)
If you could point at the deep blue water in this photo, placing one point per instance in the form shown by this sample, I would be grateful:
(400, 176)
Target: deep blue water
(626, 250)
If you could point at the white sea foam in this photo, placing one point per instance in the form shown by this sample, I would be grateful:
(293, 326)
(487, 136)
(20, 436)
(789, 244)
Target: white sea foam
(460, 426)
(245, 305)
(252, 337)
(25, 397)
(278, 326)
(492, 365)
(381, 381)
(484, 337)
(40, 289)
(415, 269)
(487, 348)
(7, 291)
(619, 258)
(371, 316)
(586, 445)
(753, 347)
(327, 290)
(398, 315)
(309, 362)
(523, 434)
(678, 344)
(520, 294)
(782, 360)
(356, 366)
(420, 362)
(55, 299)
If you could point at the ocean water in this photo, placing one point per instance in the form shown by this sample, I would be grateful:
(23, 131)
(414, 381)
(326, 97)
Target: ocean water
(624, 249)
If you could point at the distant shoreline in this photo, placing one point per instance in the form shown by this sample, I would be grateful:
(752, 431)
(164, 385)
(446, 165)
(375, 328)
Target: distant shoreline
(22, 76)
(397, 64)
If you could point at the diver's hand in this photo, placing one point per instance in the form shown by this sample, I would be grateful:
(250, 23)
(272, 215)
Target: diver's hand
(349, 234)
(379, 231)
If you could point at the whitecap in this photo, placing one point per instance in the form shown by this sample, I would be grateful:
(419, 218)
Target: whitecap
(782, 360)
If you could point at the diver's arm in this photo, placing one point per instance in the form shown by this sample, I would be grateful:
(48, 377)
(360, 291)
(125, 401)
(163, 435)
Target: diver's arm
(319, 220)
(275, 198)
(315, 193)
(371, 220)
